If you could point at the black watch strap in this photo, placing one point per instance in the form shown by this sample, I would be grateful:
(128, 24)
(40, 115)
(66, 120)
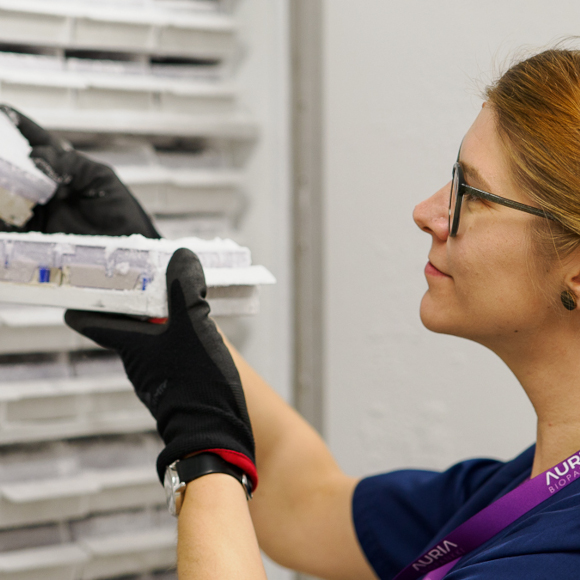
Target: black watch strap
(206, 463)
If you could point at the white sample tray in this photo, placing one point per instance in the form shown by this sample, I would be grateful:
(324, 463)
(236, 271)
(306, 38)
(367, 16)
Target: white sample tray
(170, 191)
(236, 126)
(93, 558)
(93, 491)
(115, 26)
(74, 407)
(120, 274)
(26, 329)
(29, 87)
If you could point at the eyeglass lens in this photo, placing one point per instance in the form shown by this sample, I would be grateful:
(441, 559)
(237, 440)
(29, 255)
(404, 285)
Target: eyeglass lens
(454, 202)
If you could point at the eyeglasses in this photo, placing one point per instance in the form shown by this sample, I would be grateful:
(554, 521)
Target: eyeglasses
(459, 189)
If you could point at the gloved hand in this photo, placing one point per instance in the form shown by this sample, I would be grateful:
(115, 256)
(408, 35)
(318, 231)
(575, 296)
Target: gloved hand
(182, 371)
(90, 198)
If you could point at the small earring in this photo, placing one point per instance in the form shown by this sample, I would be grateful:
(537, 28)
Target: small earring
(568, 300)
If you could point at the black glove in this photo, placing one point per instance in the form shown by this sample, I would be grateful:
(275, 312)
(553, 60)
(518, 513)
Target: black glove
(90, 198)
(182, 371)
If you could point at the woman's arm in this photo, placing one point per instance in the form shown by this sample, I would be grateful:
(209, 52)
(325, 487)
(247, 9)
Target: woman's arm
(302, 507)
(216, 538)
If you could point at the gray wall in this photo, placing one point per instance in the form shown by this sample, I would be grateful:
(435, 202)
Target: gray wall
(401, 85)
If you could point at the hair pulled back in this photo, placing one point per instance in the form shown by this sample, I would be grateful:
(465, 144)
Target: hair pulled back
(537, 107)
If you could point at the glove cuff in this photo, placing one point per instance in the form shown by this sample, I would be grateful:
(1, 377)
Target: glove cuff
(239, 460)
(180, 449)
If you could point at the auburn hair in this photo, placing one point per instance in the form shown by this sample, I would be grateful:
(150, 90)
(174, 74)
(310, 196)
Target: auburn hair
(537, 108)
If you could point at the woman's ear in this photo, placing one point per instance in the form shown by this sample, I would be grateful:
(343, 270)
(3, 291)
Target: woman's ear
(570, 292)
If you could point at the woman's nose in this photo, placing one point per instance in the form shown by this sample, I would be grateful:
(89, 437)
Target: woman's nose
(432, 215)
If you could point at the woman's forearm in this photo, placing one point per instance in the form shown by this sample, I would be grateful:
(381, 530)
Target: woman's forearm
(216, 537)
(302, 507)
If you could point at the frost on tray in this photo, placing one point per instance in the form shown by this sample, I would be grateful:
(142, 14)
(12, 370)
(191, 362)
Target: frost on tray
(115, 274)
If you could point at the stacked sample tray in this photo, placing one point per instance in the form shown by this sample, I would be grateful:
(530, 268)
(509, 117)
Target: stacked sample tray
(79, 497)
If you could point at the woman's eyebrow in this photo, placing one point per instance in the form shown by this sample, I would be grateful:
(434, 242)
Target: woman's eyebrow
(474, 174)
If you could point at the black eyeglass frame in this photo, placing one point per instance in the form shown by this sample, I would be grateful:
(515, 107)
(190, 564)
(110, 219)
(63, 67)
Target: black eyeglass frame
(463, 188)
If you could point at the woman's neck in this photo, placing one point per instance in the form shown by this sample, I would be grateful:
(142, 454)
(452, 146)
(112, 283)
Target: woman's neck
(554, 391)
(554, 444)
(549, 372)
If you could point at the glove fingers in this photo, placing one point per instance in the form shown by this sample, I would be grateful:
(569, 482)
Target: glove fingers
(83, 173)
(49, 161)
(186, 290)
(33, 132)
(186, 287)
(91, 199)
(108, 330)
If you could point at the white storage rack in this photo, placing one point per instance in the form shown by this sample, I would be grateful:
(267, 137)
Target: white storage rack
(143, 85)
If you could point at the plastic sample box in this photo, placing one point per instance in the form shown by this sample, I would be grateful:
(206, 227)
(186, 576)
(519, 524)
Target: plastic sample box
(117, 274)
(22, 184)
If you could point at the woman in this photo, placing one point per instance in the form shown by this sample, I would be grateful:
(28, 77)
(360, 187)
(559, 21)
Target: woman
(504, 271)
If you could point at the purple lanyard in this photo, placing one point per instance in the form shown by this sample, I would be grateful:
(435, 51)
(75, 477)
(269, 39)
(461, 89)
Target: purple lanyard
(439, 559)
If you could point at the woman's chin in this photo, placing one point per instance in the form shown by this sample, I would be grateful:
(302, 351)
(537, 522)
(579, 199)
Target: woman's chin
(434, 325)
(435, 318)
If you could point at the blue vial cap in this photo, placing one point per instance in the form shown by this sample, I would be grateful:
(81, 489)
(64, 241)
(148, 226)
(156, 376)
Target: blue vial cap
(43, 275)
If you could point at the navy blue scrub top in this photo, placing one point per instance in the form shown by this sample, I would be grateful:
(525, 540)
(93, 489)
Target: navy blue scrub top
(398, 515)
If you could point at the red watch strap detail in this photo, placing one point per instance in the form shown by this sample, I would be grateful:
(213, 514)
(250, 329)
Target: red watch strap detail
(239, 460)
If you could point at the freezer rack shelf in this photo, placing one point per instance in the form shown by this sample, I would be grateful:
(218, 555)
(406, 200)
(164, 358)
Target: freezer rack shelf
(93, 559)
(93, 91)
(92, 491)
(238, 127)
(166, 191)
(140, 28)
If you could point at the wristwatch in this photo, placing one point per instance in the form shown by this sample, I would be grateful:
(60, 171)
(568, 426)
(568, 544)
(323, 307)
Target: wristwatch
(180, 473)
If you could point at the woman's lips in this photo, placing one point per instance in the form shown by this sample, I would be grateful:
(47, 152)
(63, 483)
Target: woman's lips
(430, 270)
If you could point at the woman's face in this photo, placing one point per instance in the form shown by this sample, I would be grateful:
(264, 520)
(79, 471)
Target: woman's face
(484, 283)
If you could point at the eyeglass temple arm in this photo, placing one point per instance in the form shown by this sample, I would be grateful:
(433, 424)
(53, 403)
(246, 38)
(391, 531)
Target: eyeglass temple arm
(508, 202)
